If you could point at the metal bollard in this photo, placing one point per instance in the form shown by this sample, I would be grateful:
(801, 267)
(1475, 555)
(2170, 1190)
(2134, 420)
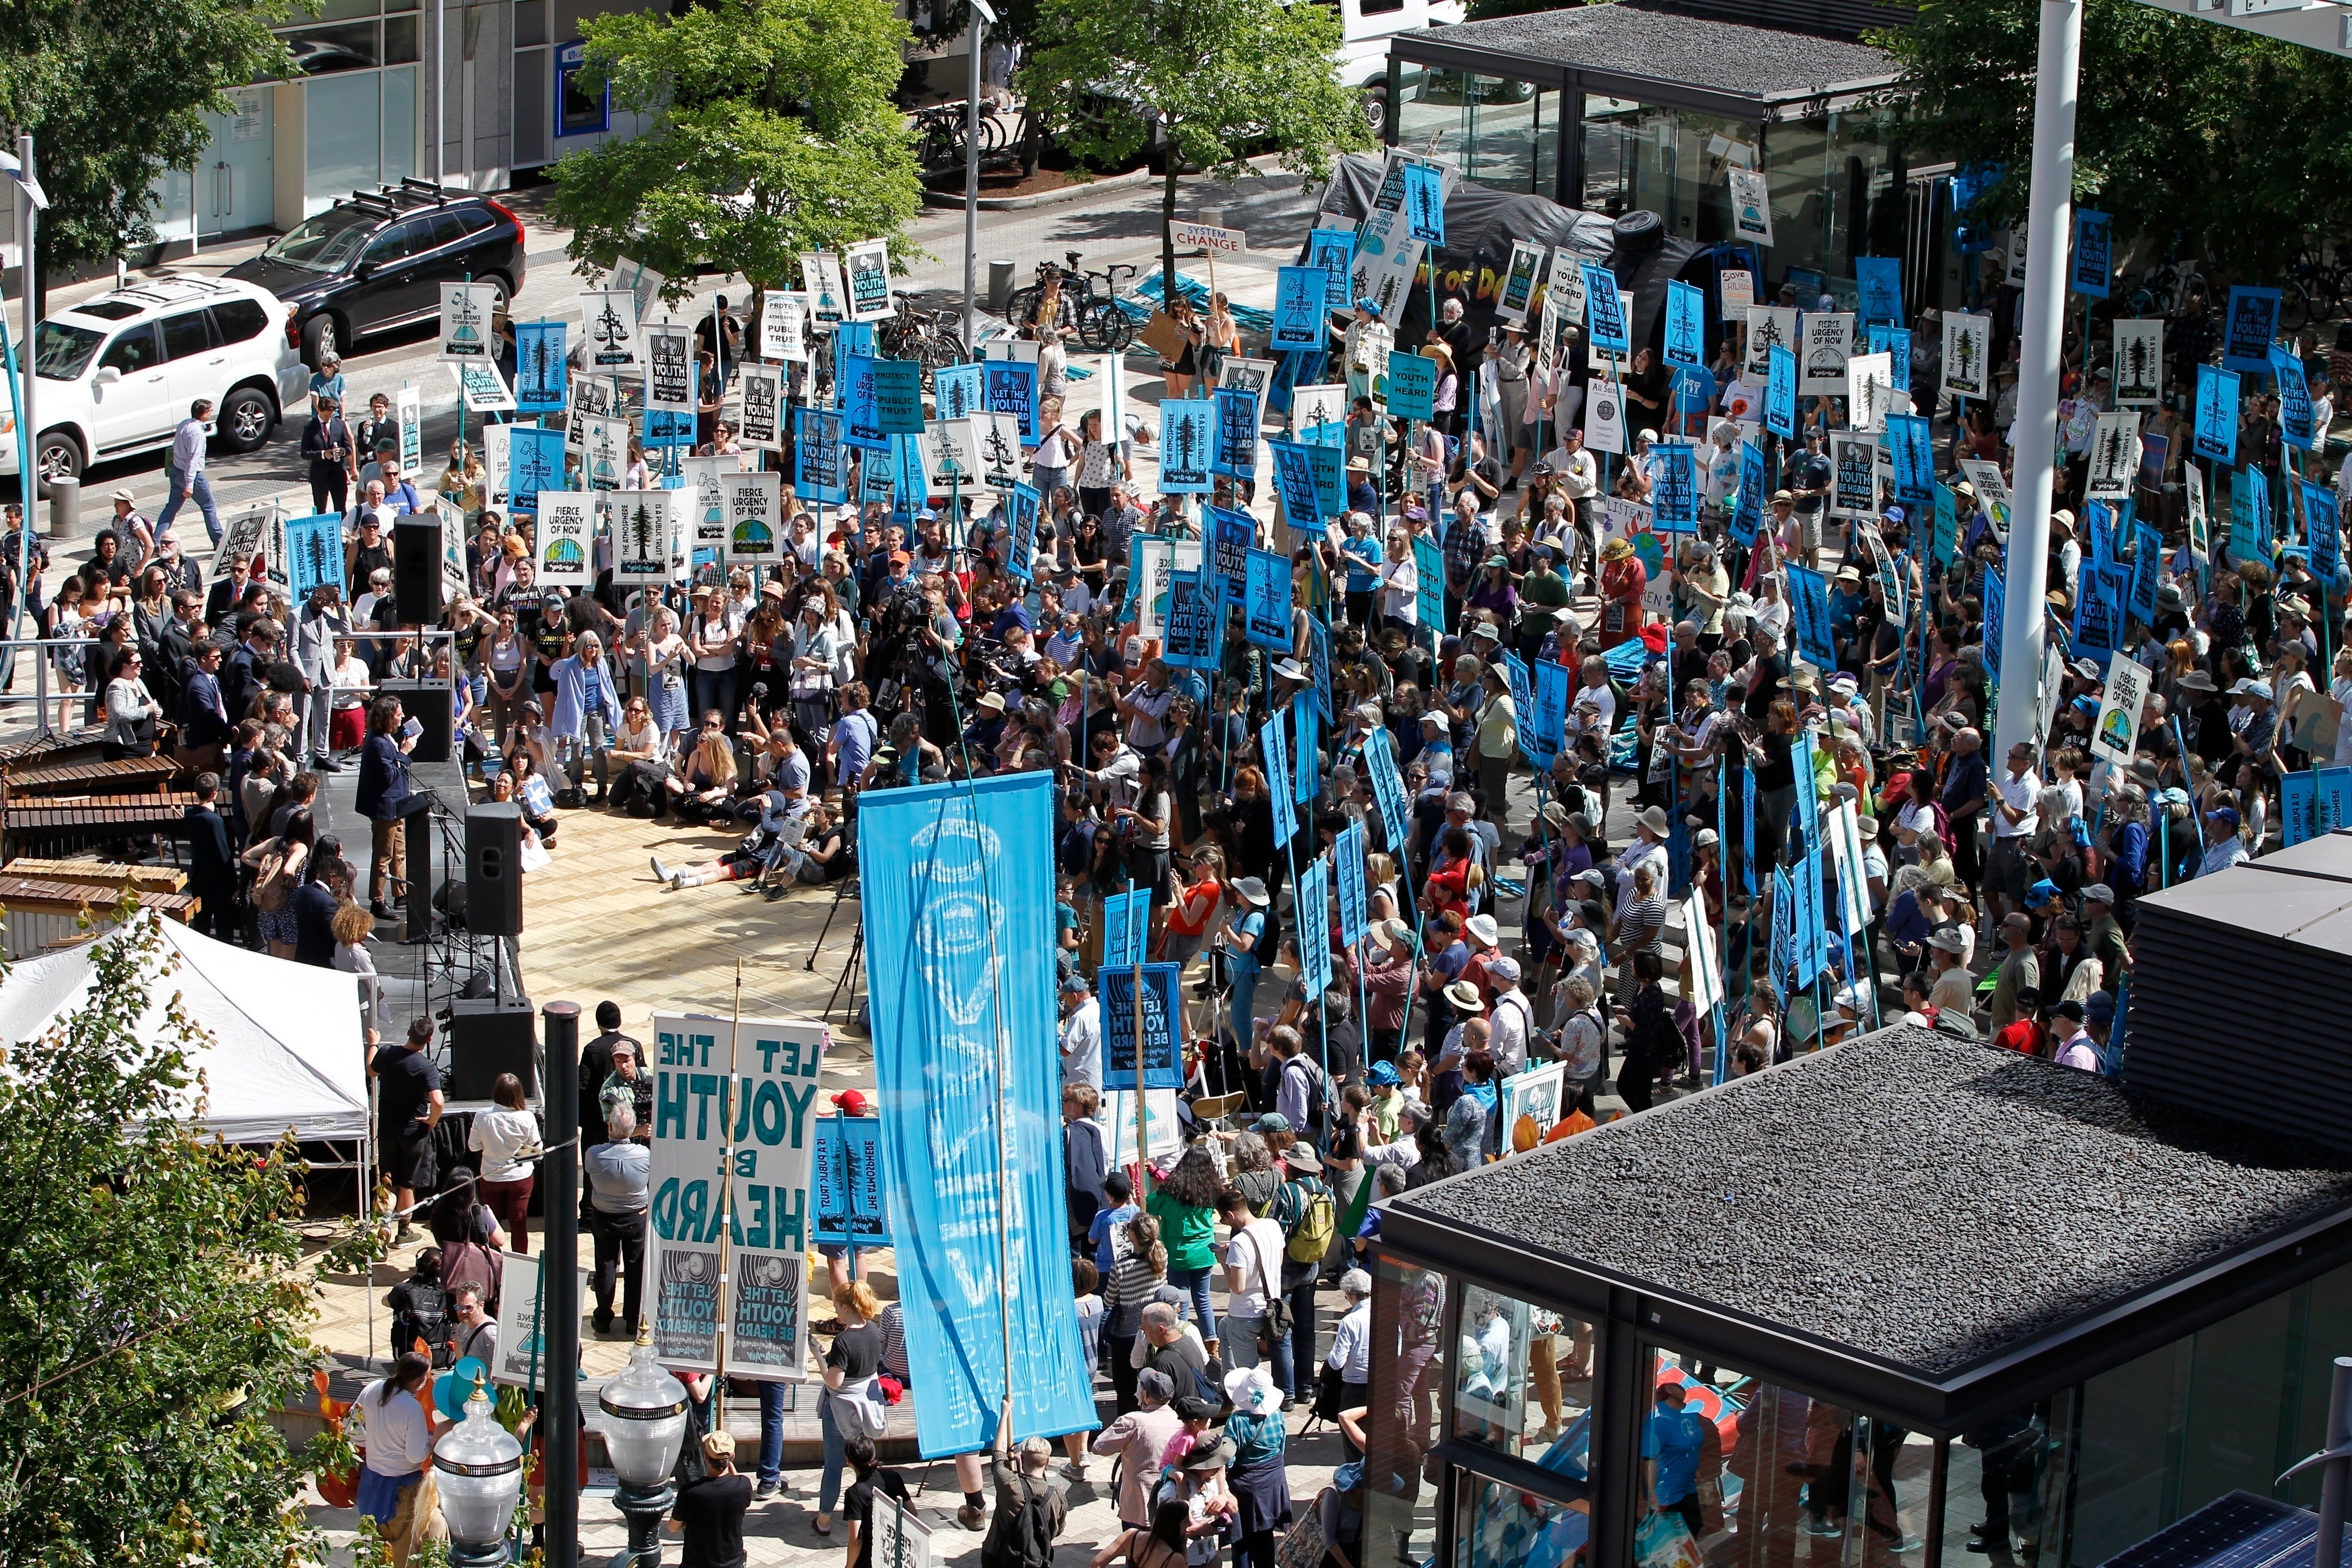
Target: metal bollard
(65, 508)
(1000, 287)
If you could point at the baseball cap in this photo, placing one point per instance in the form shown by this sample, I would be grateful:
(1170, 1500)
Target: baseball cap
(852, 1102)
(2226, 815)
(2042, 893)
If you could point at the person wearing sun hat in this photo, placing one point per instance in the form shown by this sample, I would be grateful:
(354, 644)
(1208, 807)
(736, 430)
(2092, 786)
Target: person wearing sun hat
(1237, 946)
(1622, 579)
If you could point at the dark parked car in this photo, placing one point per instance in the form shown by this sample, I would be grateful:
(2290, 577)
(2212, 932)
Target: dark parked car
(378, 260)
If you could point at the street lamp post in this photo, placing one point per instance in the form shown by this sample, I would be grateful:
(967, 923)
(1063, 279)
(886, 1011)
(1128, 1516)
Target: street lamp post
(478, 1466)
(645, 1417)
(2049, 204)
(981, 15)
(31, 201)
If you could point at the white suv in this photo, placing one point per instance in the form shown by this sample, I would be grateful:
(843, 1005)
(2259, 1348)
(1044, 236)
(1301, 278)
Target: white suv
(119, 373)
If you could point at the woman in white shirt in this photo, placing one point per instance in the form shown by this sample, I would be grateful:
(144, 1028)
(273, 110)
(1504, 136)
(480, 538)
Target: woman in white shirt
(1399, 582)
(131, 713)
(354, 927)
(399, 1437)
(507, 1138)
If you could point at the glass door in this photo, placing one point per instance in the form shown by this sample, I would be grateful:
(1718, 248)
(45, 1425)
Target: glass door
(236, 174)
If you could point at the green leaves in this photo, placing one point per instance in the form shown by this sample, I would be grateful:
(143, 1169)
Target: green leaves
(146, 1334)
(774, 133)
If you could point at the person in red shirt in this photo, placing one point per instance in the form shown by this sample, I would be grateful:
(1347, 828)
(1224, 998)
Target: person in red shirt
(1622, 578)
(2027, 1036)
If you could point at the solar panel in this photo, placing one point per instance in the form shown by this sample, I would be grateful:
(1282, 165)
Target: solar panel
(2238, 1530)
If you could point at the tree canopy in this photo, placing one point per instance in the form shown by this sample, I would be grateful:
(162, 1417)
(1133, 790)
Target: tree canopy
(1223, 79)
(774, 133)
(115, 93)
(2205, 139)
(152, 1313)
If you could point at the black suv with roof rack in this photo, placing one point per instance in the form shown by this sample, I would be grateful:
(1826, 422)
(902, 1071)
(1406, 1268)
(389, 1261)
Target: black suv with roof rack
(377, 261)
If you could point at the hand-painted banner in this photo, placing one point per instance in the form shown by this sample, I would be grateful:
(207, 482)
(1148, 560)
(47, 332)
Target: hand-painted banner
(2094, 254)
(1301, 317)
(760, 1075)
(1313, 902)
(959, 917)
(2249, 329)
(1686, 323)
(1878, 280)
(541, 372)
(1266, 602)
(1780, 393)
(2217, 413)
(1161, 1024)
(1387, 789)
(1808, 614)
(1348, 857)
(1605, 312)
(1674, 495)
(850, 1200)
(1187, 445)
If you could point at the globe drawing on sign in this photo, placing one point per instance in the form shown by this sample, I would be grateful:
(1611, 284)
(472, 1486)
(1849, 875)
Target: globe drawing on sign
(752, 534)
(2116, 730)
(565, 553)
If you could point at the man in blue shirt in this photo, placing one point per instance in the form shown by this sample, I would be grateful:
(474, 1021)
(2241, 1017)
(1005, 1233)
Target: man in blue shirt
(184, 471)
(1671, 1441)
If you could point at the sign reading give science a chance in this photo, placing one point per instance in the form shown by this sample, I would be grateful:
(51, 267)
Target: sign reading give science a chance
(763, 1077)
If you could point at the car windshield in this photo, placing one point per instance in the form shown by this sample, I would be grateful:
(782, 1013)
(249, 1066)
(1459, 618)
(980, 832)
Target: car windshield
(61, 351)
(326, 242)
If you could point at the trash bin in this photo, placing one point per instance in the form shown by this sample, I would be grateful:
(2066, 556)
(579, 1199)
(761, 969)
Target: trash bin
(1000, 287)
(65, 508)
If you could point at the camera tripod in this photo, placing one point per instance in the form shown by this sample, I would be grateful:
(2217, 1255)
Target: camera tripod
(847, 978)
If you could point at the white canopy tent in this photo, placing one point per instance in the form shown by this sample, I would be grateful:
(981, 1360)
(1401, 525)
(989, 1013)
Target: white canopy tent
(286, 1047)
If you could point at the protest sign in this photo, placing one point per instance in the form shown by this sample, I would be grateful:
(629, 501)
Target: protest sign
(820, 280)
(465, 325)
(1301, 314)
(1333, 250)
(1967, 355)
(1604, 418)
(1388, 788)
(1519, 280)
(1913, 449)
(2294, 410)
(1869, 379)
(2115, 456)
(1189, 641)
(817, 462)
(1161, 1015)
(2140, 362)
(610, 316)
(1235, 451)
(1412, 385)
(1780, 393)
(898, 396)
(1809, 612)
(1187, 440)
(1828, 344)
(1673, 494)
(1853, 469)
(783, 327)
(1769, 327)
(869, 281)
(2217, 413)
(850, 1206)
(1685, 336)
(2094, 254)
(669, 368)
(541, 369)
(534, 463)
(1752, 206)
(1011, 387)
(1604, 311)
(565, 538)
(645, 533)
(755, 516)
(2117, 734)
(2248, 330)
(1424, 204)
(1266, 606)
(1878, 281)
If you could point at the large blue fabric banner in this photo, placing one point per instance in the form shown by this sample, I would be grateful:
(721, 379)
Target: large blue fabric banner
(958, 915)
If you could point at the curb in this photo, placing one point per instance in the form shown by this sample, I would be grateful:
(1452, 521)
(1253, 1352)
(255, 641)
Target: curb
(941, 200)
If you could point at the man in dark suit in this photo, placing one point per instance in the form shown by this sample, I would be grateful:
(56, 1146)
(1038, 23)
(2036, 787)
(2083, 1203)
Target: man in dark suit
(247, 669)
(211, 869)
(204, 725)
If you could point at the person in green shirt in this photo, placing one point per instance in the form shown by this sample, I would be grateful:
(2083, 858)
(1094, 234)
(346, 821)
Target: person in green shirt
(1542, 591)
(1185, 1204)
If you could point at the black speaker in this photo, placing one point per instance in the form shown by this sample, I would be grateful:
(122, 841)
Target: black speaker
(416, 567)
(487, 1038)
(417, 840)
(428, 702)
(494, 870)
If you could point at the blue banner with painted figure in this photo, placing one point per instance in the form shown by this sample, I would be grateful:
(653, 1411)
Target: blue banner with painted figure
(542, 376)
(1605, 312)
(1913, 448)
(1161, 1026)
(2094, 254)
(1301, 317)
(1424, 202)
(314, 548)
(1334, 251)
(959, 922)
(1011, 387)
(1755, 488)
(1780, 393)
(1686, 323)
(1313, 903)
(956, 390)
(1355, 900)
(1187, 435)
(849, 1199)
(817, 456)
(534, 463)
(2295, 400)
(1879, 284)
(1387, 789)
(1266, 605)
(1809, 612)
(1673, 494)
(1294, 484)
(2217, 413)
(2248, 330)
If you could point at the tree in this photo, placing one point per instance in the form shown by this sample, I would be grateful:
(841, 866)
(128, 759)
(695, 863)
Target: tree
(773, 134)
(2228, 141)
(115, 94)
(1221, 79)
(151, 1304)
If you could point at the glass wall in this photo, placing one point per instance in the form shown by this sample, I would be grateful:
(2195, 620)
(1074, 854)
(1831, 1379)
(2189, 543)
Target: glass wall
(1671, 161)
(1501, 133)
(1408, 1369)
(358, 131)
(1825, 174)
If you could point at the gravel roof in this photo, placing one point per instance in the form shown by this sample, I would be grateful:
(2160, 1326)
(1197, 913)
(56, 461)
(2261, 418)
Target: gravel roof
(1922, 1200)
(1648, 40)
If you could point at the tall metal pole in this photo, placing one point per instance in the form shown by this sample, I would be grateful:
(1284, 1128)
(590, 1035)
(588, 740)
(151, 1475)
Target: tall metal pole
(971, 187)
(441, 109)
(2330, 1549)
(2048, 206)
(28, 448)
(559, 1411)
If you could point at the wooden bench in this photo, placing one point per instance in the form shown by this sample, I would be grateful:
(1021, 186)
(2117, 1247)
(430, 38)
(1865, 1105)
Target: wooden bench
(96, 873)
(44, 915)
(124, 775)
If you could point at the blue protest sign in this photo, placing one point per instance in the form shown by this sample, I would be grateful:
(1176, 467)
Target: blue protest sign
(1274, 752)
(1318, 666)
(2147, 568)
(2217, 413)
(1187, 445)
(1673, 494)
(314, 549)
(853, 338)
(541, 372)
(2323, 533)
(2251, 325)
(1809, 612)
(2098, 627)
(665, 429)
(1237, 445)
(845, 1188)
(1780, 952)
(1424, 202)
(2247, 491)
(877, 479)
(1808, 933)
(2094, 254)
(1301, 317)
(2294, 399)
(2334, 798)
(1313, 904)
(1267, 605)
(1943, 540)
(1913, 448)
(1994, 605)
(1328, 464)
(1780, 393)
(1333, 250)
(1150, 1012)
(1605, 312)
(816, 456)
(2298, 808)
(1189, 641)
(1550, 720)
(958, 391)
(1021, 548)
(1231, 535)
(1011, 388)
(1293, 483)
(1388, 788)
(1747, 828)
(1348, 858)
(1748, 507)
(1412, 385)
(1523, 696)
(936, 859)
(1306, 749)
(1878, 281)
(1808, 818)
(534, 463)
(861, 420)
(1894, 342)
(1429, 569)
(1686, 323)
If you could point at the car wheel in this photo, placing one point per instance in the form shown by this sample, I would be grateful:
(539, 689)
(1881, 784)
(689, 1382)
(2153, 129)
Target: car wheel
(320, 338)
(59, 456)
(501, 293)
(1376, 109)
(245, 420)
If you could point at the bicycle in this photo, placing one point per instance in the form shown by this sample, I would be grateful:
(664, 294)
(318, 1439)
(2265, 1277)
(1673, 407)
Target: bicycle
(2312, 290)
(1102, 325)
(933, 337)
(943, 130)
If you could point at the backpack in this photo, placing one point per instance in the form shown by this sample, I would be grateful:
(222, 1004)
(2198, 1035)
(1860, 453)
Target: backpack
(1316, 1089)
(1311, 1217)
(470, 1263)
(1026, 1536)
(426, 1317)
